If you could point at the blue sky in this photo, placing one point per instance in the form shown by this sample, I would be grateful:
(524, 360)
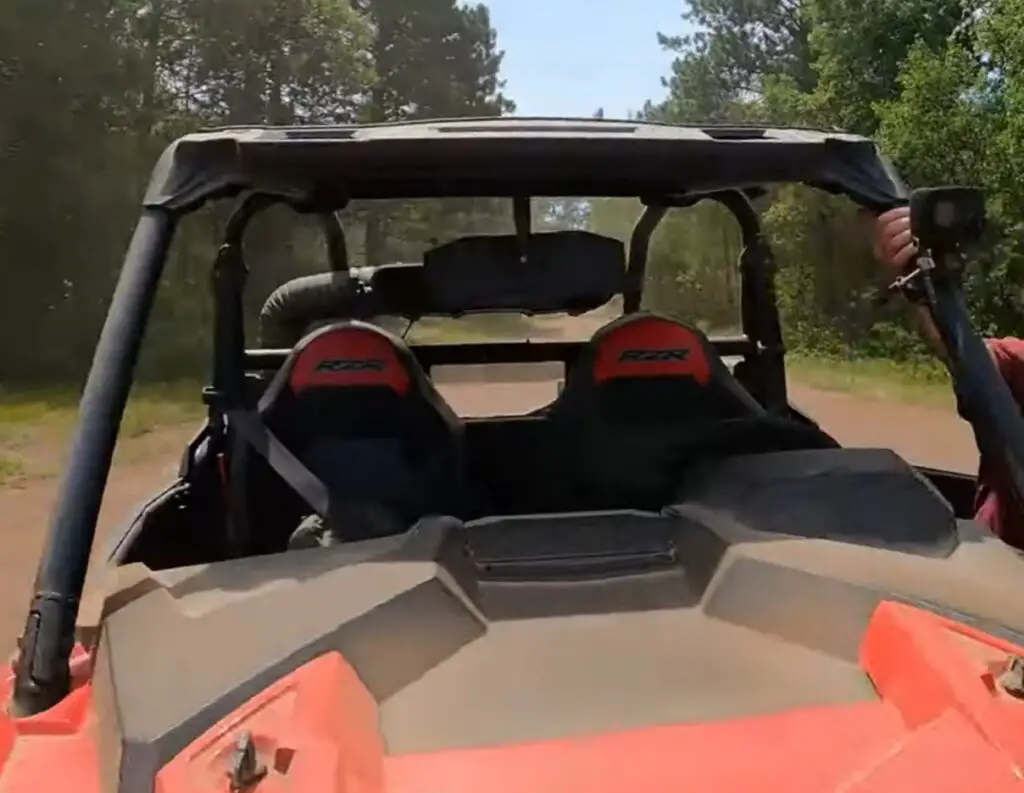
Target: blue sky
(570, 57)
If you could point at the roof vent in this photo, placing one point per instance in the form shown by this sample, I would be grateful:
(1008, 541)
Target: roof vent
(734, 133)
(321, 133)
(575, 129)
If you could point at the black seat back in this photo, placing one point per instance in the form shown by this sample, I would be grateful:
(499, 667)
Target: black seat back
(354, 405)
(641, 384)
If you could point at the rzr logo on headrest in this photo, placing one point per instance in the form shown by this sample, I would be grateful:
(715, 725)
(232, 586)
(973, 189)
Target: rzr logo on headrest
(352, 365)
(653, 356)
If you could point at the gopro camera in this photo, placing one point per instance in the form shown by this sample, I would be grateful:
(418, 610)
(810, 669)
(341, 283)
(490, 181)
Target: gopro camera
(945, 218)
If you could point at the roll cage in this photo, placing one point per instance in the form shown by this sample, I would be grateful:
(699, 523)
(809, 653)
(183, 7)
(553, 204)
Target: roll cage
(760, 343)
(320, 169)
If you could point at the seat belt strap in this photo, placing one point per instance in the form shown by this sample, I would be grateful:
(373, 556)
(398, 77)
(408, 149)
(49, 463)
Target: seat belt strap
(250, 428)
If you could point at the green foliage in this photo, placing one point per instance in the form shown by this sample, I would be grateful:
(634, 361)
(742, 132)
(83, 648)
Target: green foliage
(858, 51)
(939, 83)
(91, 91)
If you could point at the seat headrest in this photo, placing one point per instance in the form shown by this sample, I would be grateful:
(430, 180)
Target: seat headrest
(644, 345)
(350, 353)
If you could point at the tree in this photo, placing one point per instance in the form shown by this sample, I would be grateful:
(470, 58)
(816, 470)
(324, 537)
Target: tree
(434, 59)
(859, 51)
(739, 45)
(936, 80)
(61, 126)
(92, 91)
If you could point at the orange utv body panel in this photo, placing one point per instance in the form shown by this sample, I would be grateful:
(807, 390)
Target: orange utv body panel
(941, 724)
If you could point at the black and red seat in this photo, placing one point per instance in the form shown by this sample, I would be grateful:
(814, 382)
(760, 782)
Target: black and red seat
(642, 388)
(355, 407)
(644, 367)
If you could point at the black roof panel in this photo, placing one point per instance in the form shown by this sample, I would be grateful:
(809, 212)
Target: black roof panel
(323, 167)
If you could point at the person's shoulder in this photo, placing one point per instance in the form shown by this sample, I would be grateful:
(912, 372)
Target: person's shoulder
(1008, 354)
(1008, 348)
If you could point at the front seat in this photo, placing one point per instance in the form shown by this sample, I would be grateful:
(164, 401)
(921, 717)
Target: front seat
(639, 387)
(352, 403)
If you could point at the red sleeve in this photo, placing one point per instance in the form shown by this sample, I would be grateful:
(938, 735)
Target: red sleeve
(1008, 354)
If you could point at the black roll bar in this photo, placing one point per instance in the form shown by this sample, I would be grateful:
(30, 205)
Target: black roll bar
(759, 308)
(42, 672)
(759, 313)
(337, 244)
(228, 284)
(639, 247)
(988, 403)
(522, 219)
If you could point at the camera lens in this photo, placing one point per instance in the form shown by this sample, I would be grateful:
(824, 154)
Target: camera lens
(945, 214)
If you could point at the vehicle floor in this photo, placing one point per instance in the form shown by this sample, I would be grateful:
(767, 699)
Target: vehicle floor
(547, 678)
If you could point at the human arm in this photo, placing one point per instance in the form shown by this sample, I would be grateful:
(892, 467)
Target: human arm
(895, 247)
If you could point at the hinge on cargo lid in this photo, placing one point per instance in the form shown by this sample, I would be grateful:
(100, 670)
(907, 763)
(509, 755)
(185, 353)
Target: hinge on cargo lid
(246, 771)
(1012, 680)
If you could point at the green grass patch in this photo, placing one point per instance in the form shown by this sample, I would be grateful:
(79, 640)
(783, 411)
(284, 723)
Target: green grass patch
(923, 382)
(34, 407)
(153, 406)
(36, 425)
(477, 329)
(149, 406)
(31, 420)
(12, 469)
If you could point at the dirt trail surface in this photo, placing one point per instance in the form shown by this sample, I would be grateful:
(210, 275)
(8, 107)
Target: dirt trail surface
(25, 513)
(924, 435)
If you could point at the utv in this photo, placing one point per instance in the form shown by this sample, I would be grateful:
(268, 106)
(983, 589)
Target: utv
(667, 579)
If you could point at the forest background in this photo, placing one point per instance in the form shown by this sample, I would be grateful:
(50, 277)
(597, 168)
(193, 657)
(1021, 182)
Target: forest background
(92, 90)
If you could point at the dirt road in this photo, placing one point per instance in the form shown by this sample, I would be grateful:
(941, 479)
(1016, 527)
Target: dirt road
(925, 436)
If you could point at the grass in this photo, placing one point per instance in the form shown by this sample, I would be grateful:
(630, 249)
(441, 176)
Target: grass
(35, 425)
(153, 407)
(923, 383)
(12, 469)
(477, 329)
(149, 406)
(483, 328)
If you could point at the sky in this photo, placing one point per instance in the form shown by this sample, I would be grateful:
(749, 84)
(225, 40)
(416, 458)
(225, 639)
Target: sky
(571, 57)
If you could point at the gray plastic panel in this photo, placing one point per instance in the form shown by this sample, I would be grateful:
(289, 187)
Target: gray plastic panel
(865, 496)
(740, 622)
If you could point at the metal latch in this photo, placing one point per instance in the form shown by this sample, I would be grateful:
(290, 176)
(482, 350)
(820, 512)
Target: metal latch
(246, 771)
(1012, 680)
